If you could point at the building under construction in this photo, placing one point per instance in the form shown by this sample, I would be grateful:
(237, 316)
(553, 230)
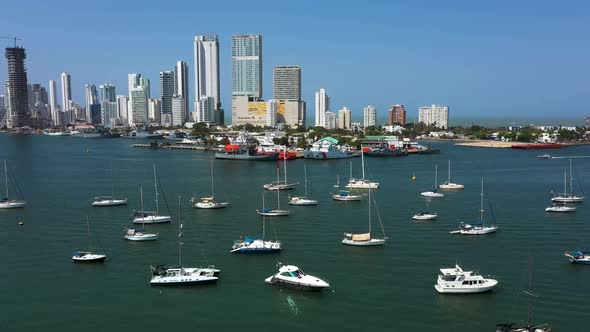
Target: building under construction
(18, 106)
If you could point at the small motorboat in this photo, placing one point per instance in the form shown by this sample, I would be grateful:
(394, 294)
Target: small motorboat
(302, 201)
(88, 257)
(425, 216)
(457, 281)
(544, 156)
(578, 257)
(510, 327)
(292, 276)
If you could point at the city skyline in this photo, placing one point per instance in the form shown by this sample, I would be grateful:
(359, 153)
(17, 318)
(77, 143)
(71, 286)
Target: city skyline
(480, 68)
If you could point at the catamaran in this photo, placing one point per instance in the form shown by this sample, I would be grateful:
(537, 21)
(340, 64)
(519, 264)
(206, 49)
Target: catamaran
(6, 202)
(209, 202)
(433, 193)
(281, 185)
(365, 239)
(448, 184)
(140, 234)
(361, 183)
(88, 256)
(251, 245)
(151, 217)
(109, 200)
(163, 275)
(566, 197)
(303, 200)
(476, 229)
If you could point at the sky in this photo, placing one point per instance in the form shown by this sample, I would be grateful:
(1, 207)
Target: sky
(484, 59)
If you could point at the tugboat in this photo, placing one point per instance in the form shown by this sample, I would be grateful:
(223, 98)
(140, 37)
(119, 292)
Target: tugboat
(292, 276)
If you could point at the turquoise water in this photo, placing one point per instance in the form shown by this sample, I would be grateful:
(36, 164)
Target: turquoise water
(387, 288)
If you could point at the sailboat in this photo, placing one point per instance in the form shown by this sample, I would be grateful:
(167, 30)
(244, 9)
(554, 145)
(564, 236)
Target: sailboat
(109, 200)
(251, 245)
(433, 193)
(140, 234)
(163, 275)
(281, 185)
(448, 184)
(151, 217)
(209, 202)
(365, 239)
(88, 256)
(425, 215)
(561, 206)
(476, 229)
(565, 197)
(273, 212)
(344, 195)
(6, 202)
(361, 183)
(529, 327)
(303, 200)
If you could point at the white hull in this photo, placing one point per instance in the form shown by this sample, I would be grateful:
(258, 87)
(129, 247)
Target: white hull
(284, 186)
(362, 184)
(425, 216)
(12, 204)
(139, 236)
(89, 258)
(431, 194)
(273, 213)
(568, 199)
(325, 155)
(476, 231)
(451, 186)
(185, 276)
(292, 276)
(110, 202)
(561, 209)
(211, 205)
(485, 287)
(369, 243)
(302, 201)
(339, 197)
(152, 220)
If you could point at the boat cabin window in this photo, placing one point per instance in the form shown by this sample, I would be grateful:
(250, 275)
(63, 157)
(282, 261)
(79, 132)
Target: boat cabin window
(448, 277)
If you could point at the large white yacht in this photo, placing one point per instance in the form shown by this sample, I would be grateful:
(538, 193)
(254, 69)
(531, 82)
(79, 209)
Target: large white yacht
(292, 276)
(457, 281)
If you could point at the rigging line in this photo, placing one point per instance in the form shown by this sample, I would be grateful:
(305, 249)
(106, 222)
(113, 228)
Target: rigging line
(379, 216)
(163, 195)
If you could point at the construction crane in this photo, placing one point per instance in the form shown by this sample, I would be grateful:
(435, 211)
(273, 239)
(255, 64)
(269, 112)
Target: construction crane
(11, 38)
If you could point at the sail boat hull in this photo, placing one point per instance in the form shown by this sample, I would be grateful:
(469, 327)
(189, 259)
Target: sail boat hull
(451, 186)
(302, 201)
(12, 204)
(568, 199)
(280, 186)
(110, 202)
(152, 220)
(362, 184)
(369, 243)
(88, 258)
(272, 213)
(211, 205)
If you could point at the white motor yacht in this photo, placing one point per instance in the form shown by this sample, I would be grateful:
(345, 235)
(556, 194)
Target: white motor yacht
(292, 276)
(255, 246)
(457, 281)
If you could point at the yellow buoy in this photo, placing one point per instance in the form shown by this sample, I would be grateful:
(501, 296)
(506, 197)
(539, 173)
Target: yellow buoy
(414, 177)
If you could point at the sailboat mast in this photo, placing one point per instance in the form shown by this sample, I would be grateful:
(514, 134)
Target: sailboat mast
(449, 171)
(363, 160)
(89, 238)
(435, 175)
(112, 179)
(369, 210)
(263, 219)
(156, 189)
(285, 163)
(179, 232)
(565, 183)
(6, 177)
(212, 188)
(305, 178)
(141, 195)
(481, 203)
(350, 178)
(571, 179)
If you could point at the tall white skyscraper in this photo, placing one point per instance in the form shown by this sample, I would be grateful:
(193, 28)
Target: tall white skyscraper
(122, 107)
(246, 54)
(271, 113)
(322, 105)
(139, 93)
(369, 116)
(66, 98)
(53, 103)
(92, 104)
(206, 56)
(434, 115)
(181, 84)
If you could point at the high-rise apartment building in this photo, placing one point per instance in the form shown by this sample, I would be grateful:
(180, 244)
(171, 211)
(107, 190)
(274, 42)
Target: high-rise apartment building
(166, 91)
(66, 99)
(322, 105)
(53, 103)
(369, 116)
(344, 118)
(397, 115)
(434, 115)
(92, 105)
(37, 95)
(246, 52)
(18, 112)
(206, 57)
(108, 114)
(178, 111)
(139, 93)
(330, 120)
(106, 92)
(181, 84)
(287, 83)
(271, 113)
(206, 109)
(154, 110)
(122, 110)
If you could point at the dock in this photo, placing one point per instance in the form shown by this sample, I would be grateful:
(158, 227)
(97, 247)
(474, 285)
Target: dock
(176, 147)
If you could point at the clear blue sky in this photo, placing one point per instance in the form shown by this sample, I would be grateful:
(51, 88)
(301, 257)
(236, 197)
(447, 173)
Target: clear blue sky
(482, 58)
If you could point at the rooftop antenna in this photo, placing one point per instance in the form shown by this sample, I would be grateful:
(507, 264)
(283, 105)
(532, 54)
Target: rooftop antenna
(12, 38)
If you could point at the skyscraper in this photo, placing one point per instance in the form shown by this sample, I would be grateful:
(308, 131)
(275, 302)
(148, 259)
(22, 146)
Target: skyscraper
(106, 92)
(166, 91)
(344, 118)
(369, 116)
(66, 99)
(53, 103)
(122, 109)
(287, 83)
(92, 105)
(322, 105)
(139, 93)
(246, 52)
(206, 54)
(435, 115)
(178, 111)
(397, 114)
(181, 84)
(17, 88)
